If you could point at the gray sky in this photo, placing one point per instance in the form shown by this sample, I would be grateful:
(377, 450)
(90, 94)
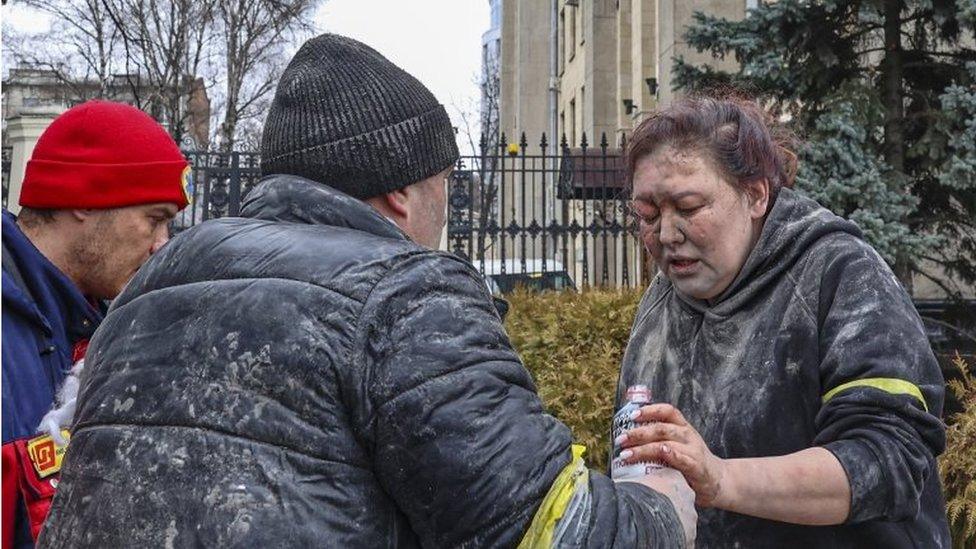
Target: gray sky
(438, 41)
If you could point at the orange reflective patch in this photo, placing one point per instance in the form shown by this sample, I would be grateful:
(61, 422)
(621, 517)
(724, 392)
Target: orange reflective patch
(46, 455)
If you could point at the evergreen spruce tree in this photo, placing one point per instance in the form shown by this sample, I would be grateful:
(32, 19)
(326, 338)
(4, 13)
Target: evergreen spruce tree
(883, 93)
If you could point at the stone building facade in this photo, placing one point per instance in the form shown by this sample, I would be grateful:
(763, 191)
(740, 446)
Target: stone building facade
(593, 68)
(28, 90)
(614, 62)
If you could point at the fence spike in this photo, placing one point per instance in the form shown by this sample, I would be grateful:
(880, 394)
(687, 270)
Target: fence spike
(523, 142)
(563, 144)
(543, 144)
(583, 143)
(603, 142)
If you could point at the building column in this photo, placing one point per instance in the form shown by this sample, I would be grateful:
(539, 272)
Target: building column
(23, 131)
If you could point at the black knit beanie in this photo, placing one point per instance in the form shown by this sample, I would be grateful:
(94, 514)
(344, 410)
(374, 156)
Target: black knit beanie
(346, 116)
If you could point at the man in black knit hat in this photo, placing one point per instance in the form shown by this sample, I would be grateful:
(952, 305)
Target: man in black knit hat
(314, 374)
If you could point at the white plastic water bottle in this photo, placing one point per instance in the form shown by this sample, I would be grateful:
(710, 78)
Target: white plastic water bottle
(636, 397)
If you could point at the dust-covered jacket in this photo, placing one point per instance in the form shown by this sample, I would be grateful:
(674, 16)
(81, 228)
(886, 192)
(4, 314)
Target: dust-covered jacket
(815, 343)
(306, 376)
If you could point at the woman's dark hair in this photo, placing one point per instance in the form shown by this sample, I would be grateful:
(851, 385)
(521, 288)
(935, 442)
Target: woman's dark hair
(735, 135)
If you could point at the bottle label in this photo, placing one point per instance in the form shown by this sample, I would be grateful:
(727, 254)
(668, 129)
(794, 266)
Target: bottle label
(638, 396)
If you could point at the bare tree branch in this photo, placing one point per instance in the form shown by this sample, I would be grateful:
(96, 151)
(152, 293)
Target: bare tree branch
(252, 33)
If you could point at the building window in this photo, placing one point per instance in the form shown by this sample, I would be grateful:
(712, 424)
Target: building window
(582, 23)
(582, 114)
(572, 122)
(561, 35)
(572, 35)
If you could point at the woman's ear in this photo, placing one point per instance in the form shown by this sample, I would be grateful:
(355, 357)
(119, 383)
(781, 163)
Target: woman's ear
(757, 193)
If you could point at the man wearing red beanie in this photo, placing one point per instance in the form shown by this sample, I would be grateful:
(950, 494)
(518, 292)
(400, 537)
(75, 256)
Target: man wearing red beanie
(99, 191)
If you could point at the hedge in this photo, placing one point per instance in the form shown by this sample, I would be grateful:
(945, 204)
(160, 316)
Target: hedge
(957, 465)
(573, 343)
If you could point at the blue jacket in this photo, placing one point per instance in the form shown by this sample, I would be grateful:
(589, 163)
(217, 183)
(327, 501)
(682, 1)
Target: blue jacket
(44, 316)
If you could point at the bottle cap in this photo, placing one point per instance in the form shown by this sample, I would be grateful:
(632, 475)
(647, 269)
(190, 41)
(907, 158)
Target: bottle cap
(638, 393)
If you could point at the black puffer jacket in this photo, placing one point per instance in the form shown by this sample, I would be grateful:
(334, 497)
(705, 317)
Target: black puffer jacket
(310, 377)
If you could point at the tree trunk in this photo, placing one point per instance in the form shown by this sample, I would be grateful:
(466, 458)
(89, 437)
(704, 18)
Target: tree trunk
(893, 99)
(228, 127)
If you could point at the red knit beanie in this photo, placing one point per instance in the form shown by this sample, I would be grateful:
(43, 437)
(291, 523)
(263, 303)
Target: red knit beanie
(105, 155)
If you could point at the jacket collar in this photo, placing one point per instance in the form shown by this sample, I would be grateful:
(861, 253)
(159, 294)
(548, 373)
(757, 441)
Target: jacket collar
(295, 199)
(48, 297)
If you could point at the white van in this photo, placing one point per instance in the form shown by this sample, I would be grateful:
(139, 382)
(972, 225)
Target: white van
(538, 275)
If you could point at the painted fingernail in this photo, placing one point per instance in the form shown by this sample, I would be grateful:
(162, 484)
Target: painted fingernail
(621, 439)
(635, 414)
(626, 454)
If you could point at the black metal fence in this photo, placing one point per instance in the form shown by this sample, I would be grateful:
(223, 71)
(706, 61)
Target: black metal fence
(220, 181)
(517, 208)
(512, 209)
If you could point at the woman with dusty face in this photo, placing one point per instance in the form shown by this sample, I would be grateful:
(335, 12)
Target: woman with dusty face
(794, 386)
(698, 227)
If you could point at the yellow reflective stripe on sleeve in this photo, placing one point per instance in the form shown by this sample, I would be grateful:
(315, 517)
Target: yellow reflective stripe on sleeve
(539, 534)
(886, 384)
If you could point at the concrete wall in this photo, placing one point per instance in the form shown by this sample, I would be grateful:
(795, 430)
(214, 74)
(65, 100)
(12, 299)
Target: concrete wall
(616, 47)
(600, 70)
(524, 69)
(590, 78)
(509, 68)
(608, 49)
(643, 50)
(624, 65)
(22, 133)
(572, 78)
(673, 16)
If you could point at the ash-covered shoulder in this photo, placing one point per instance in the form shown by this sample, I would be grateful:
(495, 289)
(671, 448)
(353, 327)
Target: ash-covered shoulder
(429, 270)
(653, 299)
(841, 253)
(659, 288)
(341, 260)
(843, 270)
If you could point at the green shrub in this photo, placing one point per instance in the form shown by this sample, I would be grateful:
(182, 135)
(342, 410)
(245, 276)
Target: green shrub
(573, 344)
(958, 463)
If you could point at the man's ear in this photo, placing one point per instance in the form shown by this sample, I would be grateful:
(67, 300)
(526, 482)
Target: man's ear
(82, 215)
(396, 201)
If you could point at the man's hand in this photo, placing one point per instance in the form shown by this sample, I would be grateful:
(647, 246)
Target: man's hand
(672, 485)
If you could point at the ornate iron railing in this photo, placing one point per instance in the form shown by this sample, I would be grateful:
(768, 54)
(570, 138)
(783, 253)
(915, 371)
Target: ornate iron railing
(512, 208)
(530, 210)
(220, 181)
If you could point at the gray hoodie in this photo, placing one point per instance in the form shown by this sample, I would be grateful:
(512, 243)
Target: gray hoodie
(815, 343)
